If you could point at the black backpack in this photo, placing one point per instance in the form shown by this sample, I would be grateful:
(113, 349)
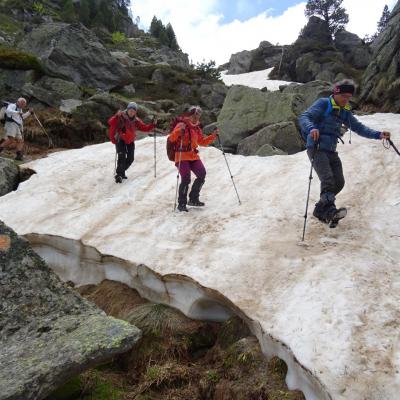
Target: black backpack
(3, 109)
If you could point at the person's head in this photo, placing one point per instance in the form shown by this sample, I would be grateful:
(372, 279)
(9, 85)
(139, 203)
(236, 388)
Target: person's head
(21, 102)
(343, 91)
(131, 109)
(194, 113)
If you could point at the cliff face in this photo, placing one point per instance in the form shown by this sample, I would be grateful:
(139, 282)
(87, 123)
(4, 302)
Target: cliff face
(381, 81)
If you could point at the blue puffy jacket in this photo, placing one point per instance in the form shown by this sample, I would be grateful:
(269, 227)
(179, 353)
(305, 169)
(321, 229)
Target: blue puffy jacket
(326, 116)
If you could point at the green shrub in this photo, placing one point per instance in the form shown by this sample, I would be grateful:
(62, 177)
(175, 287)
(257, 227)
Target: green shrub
(38, 7)
(118, 37)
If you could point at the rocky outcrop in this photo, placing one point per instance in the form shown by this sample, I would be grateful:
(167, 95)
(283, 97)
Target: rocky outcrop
(315, 56)
(251, 118)
(52, 91)
(265, 56)
(212, 96)
(281, 138)
(8, 176)
(380, 85)
(240, 63)
(168, 56)
(72, 52)
(354, 50)
(48, 333)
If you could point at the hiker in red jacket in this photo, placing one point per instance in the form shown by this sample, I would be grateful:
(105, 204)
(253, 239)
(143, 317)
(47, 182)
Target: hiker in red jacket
(123, 127)
(188, 133)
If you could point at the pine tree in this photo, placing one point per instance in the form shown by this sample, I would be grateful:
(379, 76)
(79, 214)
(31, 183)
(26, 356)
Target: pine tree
(331, 11)
(104, 16)
(384, 19)
(172, 41)
(68, 11)
(93, 9)
(155, 27)
(84, 12)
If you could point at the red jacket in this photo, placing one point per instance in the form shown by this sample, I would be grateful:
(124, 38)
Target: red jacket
(195, 135)
(125, 129)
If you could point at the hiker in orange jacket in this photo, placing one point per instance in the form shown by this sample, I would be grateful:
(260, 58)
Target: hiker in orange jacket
(123, 127)
(188, 135)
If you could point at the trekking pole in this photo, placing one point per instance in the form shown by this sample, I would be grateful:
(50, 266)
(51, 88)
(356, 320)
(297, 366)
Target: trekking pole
(179, 169)
(115, 161)
(309, 189)
(230, 173)
(390, 143)
(155, 154)
(44, 130)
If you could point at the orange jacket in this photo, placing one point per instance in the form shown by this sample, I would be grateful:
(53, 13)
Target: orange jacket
(126, 128)
(192, 133)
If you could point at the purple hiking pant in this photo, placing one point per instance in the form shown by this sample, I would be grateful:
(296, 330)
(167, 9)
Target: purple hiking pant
(196, 167)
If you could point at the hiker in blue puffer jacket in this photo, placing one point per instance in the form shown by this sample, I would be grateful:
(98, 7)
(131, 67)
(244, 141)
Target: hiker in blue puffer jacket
(321, 127)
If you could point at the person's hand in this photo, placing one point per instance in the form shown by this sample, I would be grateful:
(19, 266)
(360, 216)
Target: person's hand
(119, 113)
(31, 110)
(216, 132)
(314, 134)
(385, 135)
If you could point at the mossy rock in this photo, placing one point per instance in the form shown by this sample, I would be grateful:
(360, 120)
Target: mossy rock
(15, 59)
(9, 25)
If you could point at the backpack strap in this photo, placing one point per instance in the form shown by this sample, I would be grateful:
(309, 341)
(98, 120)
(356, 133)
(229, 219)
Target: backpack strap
(329, 107)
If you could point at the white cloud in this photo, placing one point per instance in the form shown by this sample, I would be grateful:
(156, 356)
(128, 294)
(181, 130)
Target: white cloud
(364, 17)
(201, 33)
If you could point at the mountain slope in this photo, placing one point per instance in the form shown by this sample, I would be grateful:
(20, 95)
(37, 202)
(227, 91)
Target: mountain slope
(332, 300)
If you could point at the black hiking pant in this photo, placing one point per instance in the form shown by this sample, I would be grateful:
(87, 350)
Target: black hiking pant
(328, 167)
(126, 156)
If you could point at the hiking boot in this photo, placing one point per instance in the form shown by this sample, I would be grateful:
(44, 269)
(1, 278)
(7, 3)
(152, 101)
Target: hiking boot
(182, 207)
(182, 199)
(19, 156)
(196, 203)
(118, 179)
(195, 193)
(123, 176)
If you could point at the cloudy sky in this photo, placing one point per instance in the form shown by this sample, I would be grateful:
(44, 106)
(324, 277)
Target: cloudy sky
(215, 29)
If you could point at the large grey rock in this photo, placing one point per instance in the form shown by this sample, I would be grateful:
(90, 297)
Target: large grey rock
(72, 52)
(48, 333)
(283, 136)
(70, 105)
(169, 56)
(268, 150)
(212, 95)
(355, 51)
(310, 91)
(264, 56)
(98, 108)
(240, 63)
(12, 81)
(52, 91)
(8, 176)
(380, 85)
(247, 110)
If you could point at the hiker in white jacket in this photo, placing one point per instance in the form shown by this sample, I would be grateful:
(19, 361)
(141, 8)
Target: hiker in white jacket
(14, 126)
